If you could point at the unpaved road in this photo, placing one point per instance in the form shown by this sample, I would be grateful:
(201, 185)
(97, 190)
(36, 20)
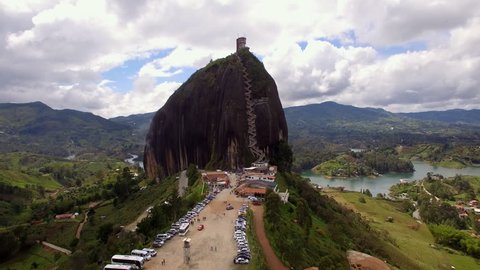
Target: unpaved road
(57, 248)
(273, 261)
(80, 226)
(133, 226)
(218, 232)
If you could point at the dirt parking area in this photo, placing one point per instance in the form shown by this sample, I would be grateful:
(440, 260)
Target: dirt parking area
(211, 248)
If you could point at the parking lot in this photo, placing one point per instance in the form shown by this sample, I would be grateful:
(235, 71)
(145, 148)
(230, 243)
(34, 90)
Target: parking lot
(211, 248)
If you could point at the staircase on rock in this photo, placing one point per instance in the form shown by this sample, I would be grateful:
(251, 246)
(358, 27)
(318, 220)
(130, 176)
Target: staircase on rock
(251, 117)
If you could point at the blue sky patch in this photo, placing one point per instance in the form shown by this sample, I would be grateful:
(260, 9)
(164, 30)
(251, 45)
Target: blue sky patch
(122, 76)
(180, 77)
(391, 50)
(302, 44)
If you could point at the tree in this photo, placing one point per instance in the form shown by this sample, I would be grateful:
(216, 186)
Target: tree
(104, 232)
(367, 192)
(272, 205)
(121, 189)
(282, 156)
(192, 174)
(440, 213)
(78, 260)
(126, 174)
(303, 215)
(175, 204)
(9, 246)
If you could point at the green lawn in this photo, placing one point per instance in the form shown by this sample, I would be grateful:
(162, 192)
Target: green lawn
(464, 262)
(412, 239)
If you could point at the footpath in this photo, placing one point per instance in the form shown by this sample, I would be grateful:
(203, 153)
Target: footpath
(57, 248)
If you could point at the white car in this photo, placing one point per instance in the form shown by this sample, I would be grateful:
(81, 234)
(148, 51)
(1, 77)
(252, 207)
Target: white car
(241, 260)
(151, 251)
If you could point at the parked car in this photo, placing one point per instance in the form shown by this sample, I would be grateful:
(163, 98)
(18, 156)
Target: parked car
(245, 254)
(151, 251)
(241, 260)
(229, 207)
(158, 243)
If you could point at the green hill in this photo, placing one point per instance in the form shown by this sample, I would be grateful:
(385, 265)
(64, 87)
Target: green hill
(468, 117)
(358, 127)
(37, 128)
(320, 128)
(140, 123)
(330, 123)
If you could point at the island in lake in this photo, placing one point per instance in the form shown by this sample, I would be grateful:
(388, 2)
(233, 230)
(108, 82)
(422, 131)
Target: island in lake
(367, 163)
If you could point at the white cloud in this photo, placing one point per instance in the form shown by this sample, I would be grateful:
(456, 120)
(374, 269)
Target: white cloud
(56, 51)
(180, 57)
(393, 22)
(146, 96)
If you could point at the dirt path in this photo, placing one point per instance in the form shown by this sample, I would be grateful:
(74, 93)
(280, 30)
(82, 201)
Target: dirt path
(57, 248)
(80, 227)
(133, 226)
(272, 260)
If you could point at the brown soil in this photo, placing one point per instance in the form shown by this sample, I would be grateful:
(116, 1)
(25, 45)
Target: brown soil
(272, 260)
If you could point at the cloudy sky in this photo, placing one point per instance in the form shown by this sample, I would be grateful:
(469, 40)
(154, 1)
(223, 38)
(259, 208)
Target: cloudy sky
(119, 57)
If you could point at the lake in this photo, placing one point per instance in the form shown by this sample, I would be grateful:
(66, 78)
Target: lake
(382, 183)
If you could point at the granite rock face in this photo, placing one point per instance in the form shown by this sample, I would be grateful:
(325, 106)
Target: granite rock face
(206, 121)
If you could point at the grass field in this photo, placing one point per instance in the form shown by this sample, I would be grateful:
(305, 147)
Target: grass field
(60, 233)
(450, 164)
(19, 179)
(413, 239)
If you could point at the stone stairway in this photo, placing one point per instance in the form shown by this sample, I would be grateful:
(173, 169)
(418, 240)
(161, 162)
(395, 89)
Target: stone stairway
(251, 117)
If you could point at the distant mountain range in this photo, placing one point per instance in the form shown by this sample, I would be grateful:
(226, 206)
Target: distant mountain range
(458, 116)
(333, 123)
(38, 128)
(138, 122)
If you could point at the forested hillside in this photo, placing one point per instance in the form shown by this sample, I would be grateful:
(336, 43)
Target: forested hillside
(37, 128)
(369, 163)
